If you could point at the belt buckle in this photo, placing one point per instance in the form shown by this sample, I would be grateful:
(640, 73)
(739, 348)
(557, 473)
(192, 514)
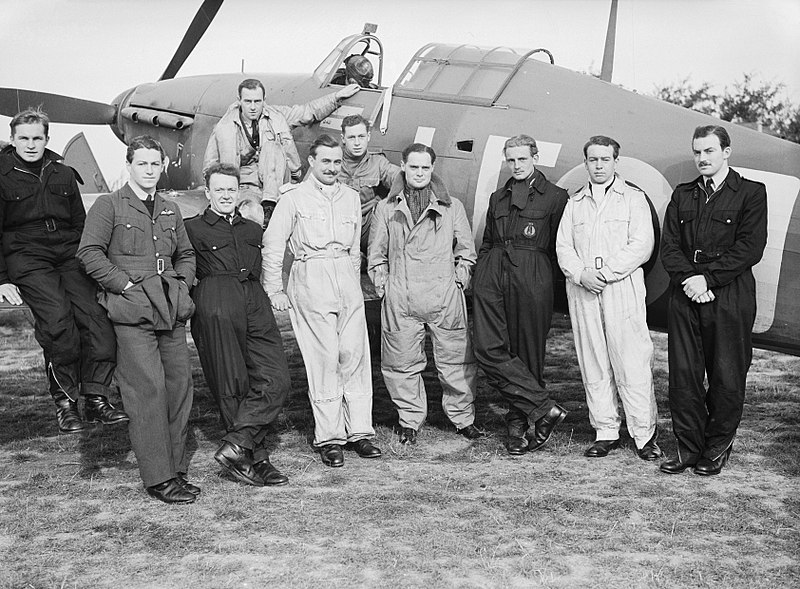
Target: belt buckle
(50, 224)
(694, 257)
(160, 265)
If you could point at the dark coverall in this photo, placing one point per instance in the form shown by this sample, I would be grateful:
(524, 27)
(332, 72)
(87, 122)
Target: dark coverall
(41, 220)
(513, 294)
(237, 339)
(722, 240)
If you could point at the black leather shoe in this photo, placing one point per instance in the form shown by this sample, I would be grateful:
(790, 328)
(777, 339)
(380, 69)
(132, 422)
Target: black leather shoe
(67, 416)
(676, 465)
(707, 467)
(193, 489)
(650, 451)
(516, 446)
(601, 448)
(97, 409)
(408, 435)
(269, 474)
(238, 462)
(544, 426)
(332, 455)
(365, 449)
(471, 432)
(171, 491)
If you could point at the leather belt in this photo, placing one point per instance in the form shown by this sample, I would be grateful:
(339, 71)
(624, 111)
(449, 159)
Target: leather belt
(701, 257)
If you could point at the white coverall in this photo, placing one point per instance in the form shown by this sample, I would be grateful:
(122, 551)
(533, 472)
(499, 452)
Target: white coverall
(327, 311)
(612, 341)
(420, 265)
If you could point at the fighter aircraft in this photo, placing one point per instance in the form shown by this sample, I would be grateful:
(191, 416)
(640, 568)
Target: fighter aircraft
(464, 101)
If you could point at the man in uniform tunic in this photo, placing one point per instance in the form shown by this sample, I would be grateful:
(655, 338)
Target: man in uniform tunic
(320, 219)
(605, 236)
(513, 294)
(715, 231)
(41, 219)
(237, 339)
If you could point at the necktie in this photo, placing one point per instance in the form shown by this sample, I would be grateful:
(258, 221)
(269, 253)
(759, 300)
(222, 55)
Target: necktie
(709, 187)
(229, 218)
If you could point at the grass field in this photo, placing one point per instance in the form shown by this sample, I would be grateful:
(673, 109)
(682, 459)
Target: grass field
(443, 513)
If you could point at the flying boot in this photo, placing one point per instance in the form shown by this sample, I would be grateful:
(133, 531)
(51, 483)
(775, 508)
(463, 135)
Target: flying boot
(97, 409)
(69, 420)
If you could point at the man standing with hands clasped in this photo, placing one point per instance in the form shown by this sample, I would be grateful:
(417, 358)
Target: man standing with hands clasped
(715, 231)
(605, 236)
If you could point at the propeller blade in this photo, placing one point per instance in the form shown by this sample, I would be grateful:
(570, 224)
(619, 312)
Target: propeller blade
(60, 109)
(607, 68)
(200, 23)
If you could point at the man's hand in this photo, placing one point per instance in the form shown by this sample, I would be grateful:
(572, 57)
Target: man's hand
(10, 293)
(280, 301)
(694, 286)
(705, 297)
(129, 285)
(592, 281)
(463, 276)
(347, 91)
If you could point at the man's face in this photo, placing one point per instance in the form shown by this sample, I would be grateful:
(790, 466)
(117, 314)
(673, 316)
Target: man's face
(520, 162)
(250, 103)
(356, 140)
(222, 193)
(145, 168)
(600, 163)
(29, 140)
(326, 164)
(709, 157)
(418, 169)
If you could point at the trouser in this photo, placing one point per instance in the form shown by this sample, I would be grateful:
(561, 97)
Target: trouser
(242, 356)
(615, 354)
(155, 380)
(70, 325)
(328, 319)
(711, 339)
(403, 359)
(513, 308)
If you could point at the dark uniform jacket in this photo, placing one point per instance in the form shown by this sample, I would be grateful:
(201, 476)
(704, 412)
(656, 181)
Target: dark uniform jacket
(524, 222)
(721, 239)
(32, 209)
(226, 250)
(122, 242)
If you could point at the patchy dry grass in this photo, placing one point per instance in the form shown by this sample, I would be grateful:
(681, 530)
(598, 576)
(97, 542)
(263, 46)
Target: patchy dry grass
(443, 513)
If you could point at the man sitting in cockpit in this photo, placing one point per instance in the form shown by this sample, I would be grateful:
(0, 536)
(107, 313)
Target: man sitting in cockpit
(356, 69)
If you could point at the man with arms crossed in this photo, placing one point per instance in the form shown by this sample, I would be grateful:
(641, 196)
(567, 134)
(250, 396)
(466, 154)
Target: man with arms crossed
(605, 236)
(135, 246)
(421, 255)
(237, 339)
(41, 219)
(715, 231)
(513, 294)
(320, 219)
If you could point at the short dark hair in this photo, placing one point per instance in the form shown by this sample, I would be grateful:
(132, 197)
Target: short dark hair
(720, 132)
(143, 142)
(323, 140)
(418, 148)
(251, 84)
(521, 141)
(222, 169)
(604, 141)
(353, 120)
(31, 116)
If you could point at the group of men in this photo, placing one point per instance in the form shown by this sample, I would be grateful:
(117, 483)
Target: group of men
(154, 272)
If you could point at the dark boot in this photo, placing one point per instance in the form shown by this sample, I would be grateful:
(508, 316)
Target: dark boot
(69, 420)
(97, 409)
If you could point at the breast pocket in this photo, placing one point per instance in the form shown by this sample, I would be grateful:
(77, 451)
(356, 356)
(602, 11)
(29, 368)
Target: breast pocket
(723, 227)
(686, 221)
(18, 194)
(345, 228)
(314, 227)
(127, 237)
(165, 231)
(532, 224)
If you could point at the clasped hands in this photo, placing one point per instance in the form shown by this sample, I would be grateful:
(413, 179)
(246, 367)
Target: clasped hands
(696, 288)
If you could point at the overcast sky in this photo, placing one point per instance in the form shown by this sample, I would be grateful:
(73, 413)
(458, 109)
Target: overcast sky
(95, 49)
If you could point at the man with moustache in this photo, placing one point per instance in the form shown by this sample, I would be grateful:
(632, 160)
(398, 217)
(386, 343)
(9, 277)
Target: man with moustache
(237, 339)
(513, 294)
(257, 138)
(320, 220)
(371, 174)
(421, 254)
(135, 246)
(715, 231)
(605, 235)
(41, 219)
